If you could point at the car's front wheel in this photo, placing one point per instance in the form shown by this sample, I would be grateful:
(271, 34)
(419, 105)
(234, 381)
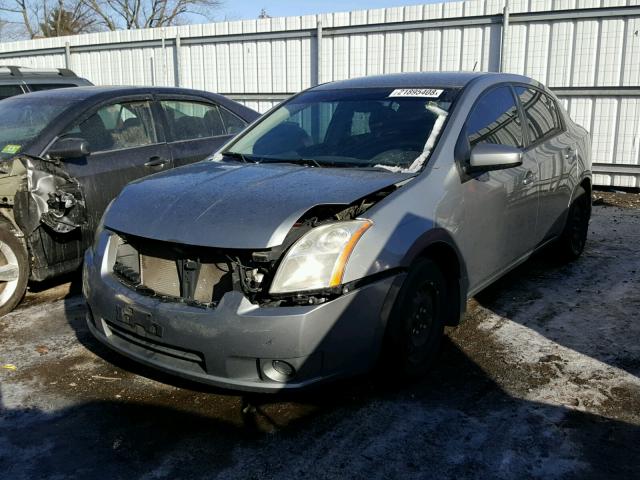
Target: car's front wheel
(14, 268)
(574, 236)
(416, 324)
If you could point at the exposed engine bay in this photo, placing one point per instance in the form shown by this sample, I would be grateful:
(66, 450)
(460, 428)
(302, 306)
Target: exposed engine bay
(200, 276)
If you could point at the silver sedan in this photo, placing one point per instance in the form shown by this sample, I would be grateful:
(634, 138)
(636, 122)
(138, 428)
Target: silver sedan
(339, 232)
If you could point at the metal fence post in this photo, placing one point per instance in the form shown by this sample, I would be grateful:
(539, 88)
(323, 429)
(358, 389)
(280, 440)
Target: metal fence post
(505, 27)
(67, 55)
(318, 58)
(176, 62)
(165, 68)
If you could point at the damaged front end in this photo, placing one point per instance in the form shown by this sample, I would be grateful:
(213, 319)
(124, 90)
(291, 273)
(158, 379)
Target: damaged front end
(36, 193)
(48, 195)
(200, 276)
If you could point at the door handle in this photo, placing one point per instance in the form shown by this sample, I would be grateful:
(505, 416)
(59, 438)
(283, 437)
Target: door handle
(156, 162)
(570, 154)
(529, 177)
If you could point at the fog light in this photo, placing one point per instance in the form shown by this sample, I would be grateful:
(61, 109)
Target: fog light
(277, 370)
(283, 368)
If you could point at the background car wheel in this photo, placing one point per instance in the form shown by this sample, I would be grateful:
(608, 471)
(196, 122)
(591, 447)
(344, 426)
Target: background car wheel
(14, 269)
(574, 236)
(416, 323)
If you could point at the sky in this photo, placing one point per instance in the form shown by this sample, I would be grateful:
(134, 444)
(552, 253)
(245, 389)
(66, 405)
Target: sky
(245, 9)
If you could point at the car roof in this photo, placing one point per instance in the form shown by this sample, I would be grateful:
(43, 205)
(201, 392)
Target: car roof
(96, 93)
(79, 99)
(17, 72)
(419, 79)
(83, 96)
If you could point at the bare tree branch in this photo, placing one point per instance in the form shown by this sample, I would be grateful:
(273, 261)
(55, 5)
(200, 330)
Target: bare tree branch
(128, 14)
(34, 18)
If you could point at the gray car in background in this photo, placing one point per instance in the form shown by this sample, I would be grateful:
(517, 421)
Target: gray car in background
(342, 230)
(16, 80)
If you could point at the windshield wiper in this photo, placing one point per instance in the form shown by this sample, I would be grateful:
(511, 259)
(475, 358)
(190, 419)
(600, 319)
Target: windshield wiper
(300, 161)
(238, 155)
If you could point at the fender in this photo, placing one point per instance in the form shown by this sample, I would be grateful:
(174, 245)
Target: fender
(436, 239)
(432, 237)
(586, 175)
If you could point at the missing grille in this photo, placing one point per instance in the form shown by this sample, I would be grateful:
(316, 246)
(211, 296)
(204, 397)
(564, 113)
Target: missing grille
(167, 271)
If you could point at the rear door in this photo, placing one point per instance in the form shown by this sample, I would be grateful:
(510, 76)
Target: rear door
(551, 148)
(196, 128)
(125, 143)
(500, 206)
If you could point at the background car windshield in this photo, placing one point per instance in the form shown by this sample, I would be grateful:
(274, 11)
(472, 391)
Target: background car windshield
(385, 128)
(22, 119)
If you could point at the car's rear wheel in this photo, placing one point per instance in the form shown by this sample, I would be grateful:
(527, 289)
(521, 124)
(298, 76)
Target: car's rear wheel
(573, 239)
(416, 324)
(14, 269)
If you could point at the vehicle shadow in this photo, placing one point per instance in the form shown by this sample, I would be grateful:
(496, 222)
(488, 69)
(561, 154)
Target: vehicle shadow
(590, 306)
(455, 423)
(51, 290)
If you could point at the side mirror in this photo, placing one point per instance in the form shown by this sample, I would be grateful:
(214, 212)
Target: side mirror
(68, 148)
(491, 156)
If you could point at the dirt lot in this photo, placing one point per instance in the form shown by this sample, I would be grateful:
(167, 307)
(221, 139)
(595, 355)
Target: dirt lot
(541, 381)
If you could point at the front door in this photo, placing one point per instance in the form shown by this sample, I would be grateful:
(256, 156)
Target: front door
(125, 145)
(500, 206)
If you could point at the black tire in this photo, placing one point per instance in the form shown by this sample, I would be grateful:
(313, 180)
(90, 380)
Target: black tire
(573, 239)
(416, 323)
(12, 252)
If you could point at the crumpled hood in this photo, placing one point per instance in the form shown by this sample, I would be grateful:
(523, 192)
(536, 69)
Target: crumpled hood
(229, 205)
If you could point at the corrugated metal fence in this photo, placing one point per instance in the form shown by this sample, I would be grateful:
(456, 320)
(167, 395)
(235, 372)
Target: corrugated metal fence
(588, 51)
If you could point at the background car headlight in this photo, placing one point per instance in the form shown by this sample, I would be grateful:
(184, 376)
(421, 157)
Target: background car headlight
(318, 258)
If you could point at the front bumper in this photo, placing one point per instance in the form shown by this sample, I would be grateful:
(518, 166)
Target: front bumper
(234, 345)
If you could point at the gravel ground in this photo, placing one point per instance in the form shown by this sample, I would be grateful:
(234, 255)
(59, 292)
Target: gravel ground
(541, 381)
(612, 197)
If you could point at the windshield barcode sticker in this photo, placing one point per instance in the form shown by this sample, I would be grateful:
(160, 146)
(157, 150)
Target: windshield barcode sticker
(417, 92)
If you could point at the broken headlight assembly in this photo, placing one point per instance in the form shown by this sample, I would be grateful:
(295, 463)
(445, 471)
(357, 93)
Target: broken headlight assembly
(317, 259)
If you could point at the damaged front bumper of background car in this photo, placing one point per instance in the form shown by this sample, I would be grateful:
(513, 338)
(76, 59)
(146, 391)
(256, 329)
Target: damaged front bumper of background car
(37, 192)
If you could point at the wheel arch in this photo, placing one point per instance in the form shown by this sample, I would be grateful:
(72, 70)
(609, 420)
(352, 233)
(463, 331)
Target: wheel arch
(585, 184)
(6, 217)
(438, 246)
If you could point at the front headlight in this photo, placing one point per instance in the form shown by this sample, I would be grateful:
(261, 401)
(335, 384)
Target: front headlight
(318, 258)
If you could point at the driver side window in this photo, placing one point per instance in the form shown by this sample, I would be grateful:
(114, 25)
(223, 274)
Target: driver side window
(117, 126)
(495, 119)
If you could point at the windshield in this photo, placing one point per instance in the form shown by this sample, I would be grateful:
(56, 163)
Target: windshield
(394, 129)
(22, 119)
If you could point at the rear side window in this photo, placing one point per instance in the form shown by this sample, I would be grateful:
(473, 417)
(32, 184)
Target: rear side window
(117, 126)
(7, 91)
(193, 120)
(36, 87)
(495, 119)
(232, 122)
(540, 111)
